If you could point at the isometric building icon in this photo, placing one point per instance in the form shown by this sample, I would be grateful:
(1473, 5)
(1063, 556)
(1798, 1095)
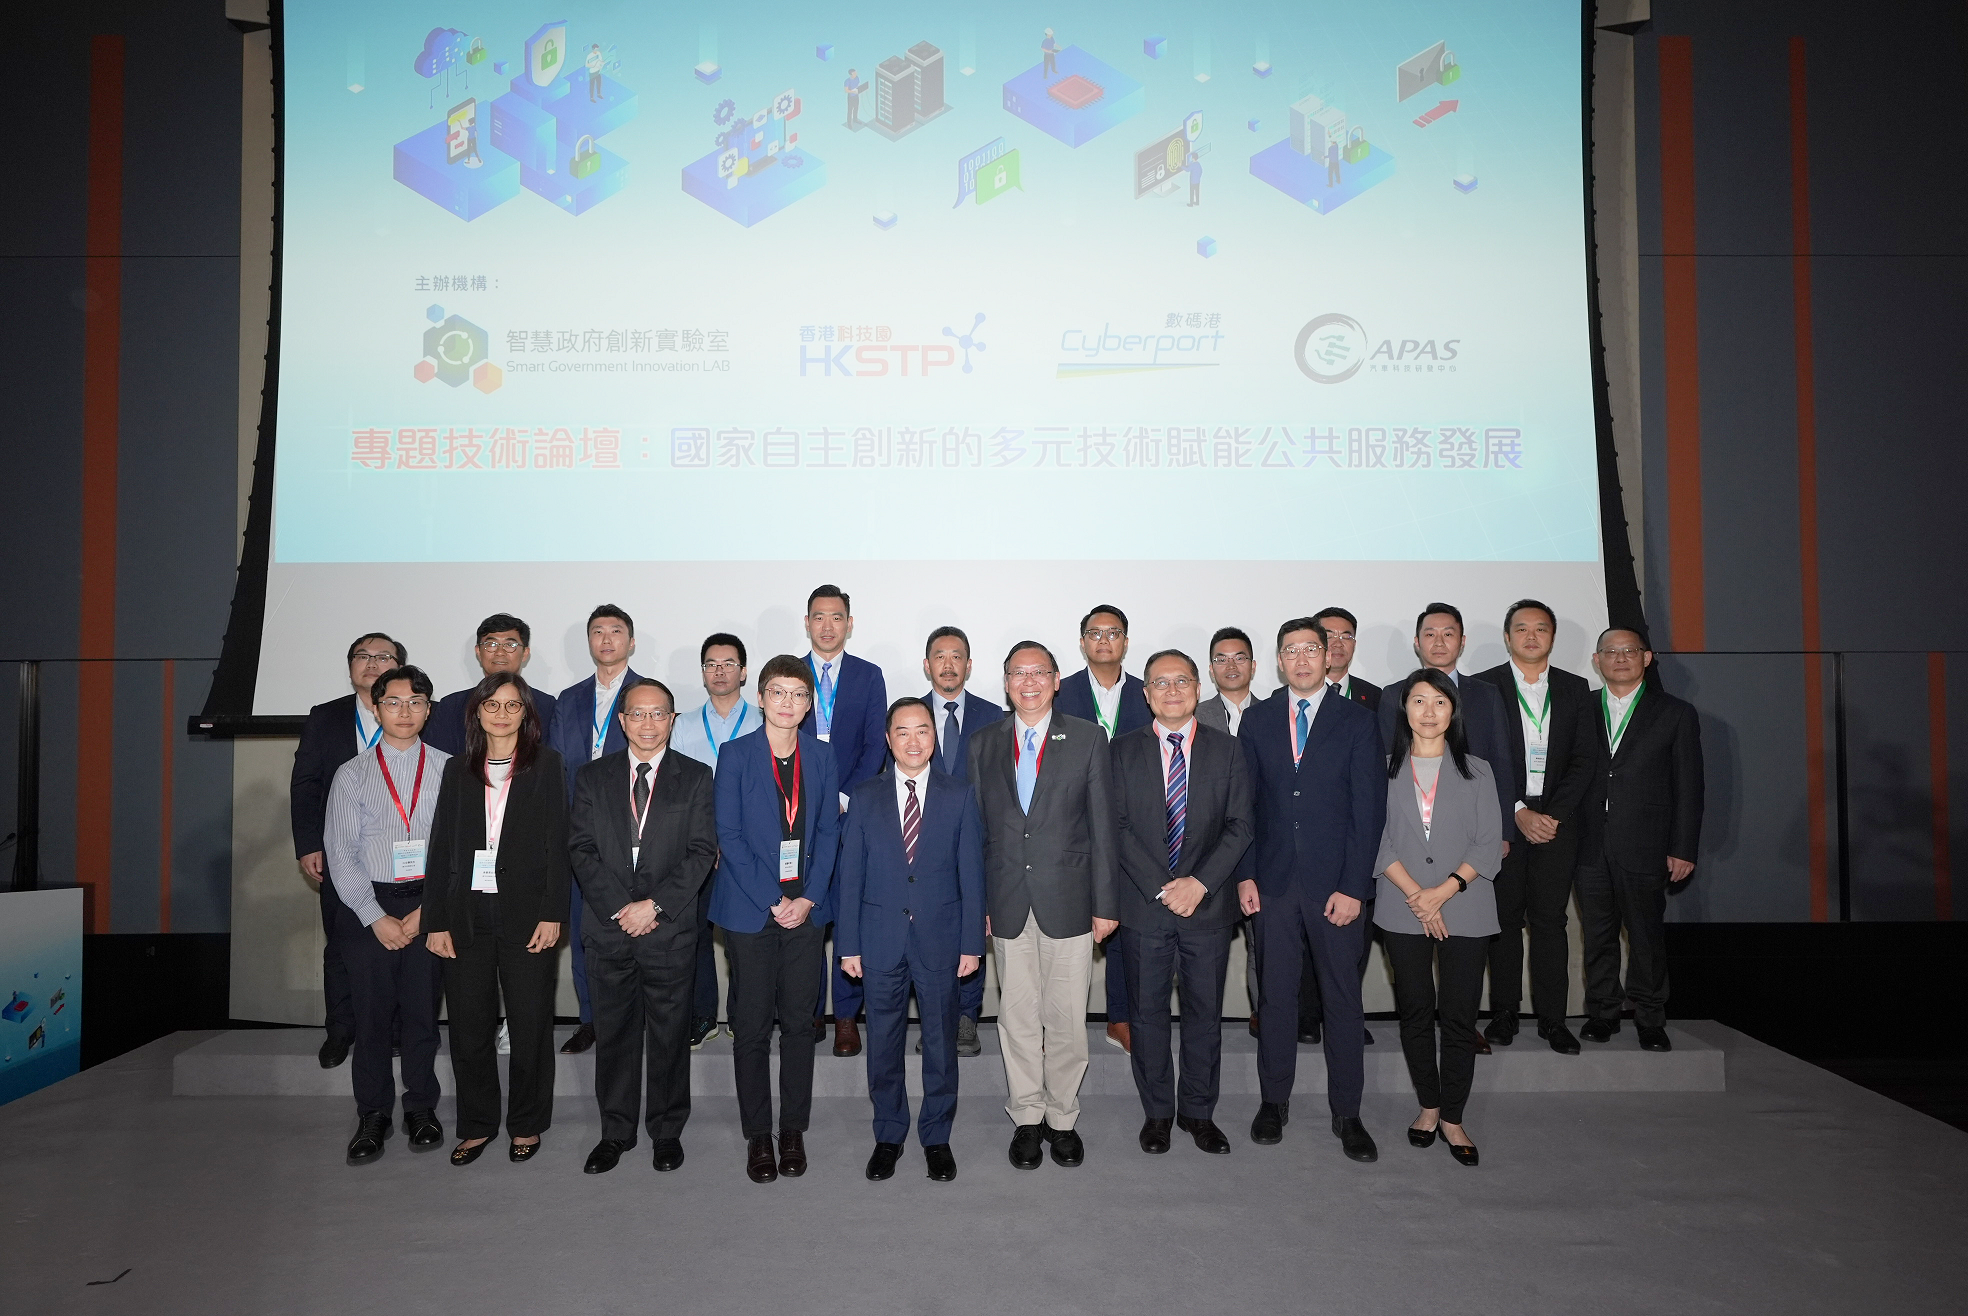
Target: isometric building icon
(1324, 162)
(908, 91)
(1080, 100)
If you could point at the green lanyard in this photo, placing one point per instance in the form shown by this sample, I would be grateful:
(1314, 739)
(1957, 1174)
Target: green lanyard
(1613, 735)
(1537, 719)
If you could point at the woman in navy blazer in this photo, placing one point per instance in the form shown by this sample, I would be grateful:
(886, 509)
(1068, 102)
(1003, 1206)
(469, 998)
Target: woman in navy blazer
(773, 898)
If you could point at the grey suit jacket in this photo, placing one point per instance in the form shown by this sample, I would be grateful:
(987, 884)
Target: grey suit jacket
(1059, 862)
(1213, 713)
(1467, 828)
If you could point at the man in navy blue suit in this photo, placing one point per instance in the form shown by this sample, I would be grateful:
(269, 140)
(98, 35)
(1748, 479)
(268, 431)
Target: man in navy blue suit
(1101, 692)
(957, 715)
(589, 730)
(504, 644)
(1320, 783)
(910, 913)
(850, 699)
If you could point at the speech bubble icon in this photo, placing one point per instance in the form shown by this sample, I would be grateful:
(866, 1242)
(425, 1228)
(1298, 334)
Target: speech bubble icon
(998, 177)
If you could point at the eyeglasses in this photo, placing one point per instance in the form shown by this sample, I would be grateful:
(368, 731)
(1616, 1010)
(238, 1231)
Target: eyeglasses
(1163, 683)
(1301, 650)
(1621, 653)
(1230, 659)
(1024, 674)
(1110, 633)
(395, 705)
(364, 656)
(780, 694)
(723, 665)
(647, 714)
(490, 645)
(512, 707)
(1338, 635)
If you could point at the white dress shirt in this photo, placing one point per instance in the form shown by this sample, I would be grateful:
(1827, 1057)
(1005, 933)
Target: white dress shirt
(604, 704)
(1107, 702)
(1188, 733)
(1312, 702)
(1044, 725)
(938, 715)
(1235, 711)
(1616, 715)
(902, 791)
(1537, 694)
(655, 767)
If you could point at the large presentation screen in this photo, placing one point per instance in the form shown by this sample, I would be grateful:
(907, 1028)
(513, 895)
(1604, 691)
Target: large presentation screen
(986, 314)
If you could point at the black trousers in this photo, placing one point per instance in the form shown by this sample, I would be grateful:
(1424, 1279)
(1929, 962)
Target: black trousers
(497, 962)
(1192, 962)
(775, 975)
(706, 1003)
(340, 1014)
(1612, 898)
(388, 989)
(1288, 923)
(1533, 888)
(1416, 959)
(1311, 1005)
(643, 990)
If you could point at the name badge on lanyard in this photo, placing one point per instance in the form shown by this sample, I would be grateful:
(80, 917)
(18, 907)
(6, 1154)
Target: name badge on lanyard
(406, 860)
(789, 861)
(485, 863)
(406, 856)
(789, 851)
(1536, 739)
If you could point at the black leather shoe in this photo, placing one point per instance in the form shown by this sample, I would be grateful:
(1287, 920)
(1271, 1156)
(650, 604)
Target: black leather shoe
(1653, 1039)
(1208, 1137)
(942, 1165)
(1155, 1137)
(1311, 1032)
(1367, 1039)
(462, 1155)
(1421, 1137)
(1560, 1037)
(524, 1151)
(1482, 1045)
(1269, 1126)
(1463, 1155)
(668, 1154)
(1502, 1030)
(882, 1164)
(819, 1029)
(701, 1030)
(1253, 1026)
(761, 1164)
(792, 1153)
(424, 1130)
(1354, 1138)
(1599, 1030)
(334, 1048)
(370, 1135)
(1067, 1149)
(606, 1155)
(582, 1040)
(1027, 1148)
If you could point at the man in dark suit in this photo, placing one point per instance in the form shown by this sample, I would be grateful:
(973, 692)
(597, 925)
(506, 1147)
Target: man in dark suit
(1044, 790)
(1185, 822)
(1438, 643)
(1320, 786)
(1642, 834)
(1232, 663)
(643, 832)
(850, 698)
(1101, 692)
(1342, 637)
(958, 716)
(588, 730)
(1551, 759)
(504, 644)
(335, 732)
(911, 914)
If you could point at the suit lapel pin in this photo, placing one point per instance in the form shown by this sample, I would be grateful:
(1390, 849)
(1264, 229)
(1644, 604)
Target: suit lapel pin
(1059, 735)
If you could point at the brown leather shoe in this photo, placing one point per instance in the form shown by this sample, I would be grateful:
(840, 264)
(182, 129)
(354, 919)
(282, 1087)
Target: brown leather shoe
(847, 1038)
(1253, 1026)
(759, 1165)
(1117, 1035)
(1482, 1045)
(792, 1153)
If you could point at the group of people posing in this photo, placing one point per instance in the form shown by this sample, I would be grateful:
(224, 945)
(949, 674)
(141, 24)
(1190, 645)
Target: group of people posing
(456, 842)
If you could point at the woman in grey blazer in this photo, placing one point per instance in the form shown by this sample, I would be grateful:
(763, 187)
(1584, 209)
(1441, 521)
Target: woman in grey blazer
(1439, 852)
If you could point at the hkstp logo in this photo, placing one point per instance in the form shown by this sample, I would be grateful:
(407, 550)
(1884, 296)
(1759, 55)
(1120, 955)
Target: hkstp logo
(1332, 348)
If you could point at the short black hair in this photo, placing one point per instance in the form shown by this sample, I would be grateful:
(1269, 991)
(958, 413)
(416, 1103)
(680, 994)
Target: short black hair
(1300, 624)
(1153, 658)
(1444, 609)
(610, 610)
(830, 592)
(1324, 613)
(1634, 631)
(1099, 608)
(1522, 604)
(420, 682)
(716, 638)
(901, 704)
(942, 633)
(1231, 633)
(402, 654)
(650, 682)
(1022, 645)
(786, 665)
(505, 621)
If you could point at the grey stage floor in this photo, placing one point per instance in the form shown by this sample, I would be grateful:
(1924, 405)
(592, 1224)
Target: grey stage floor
(1792, 1191)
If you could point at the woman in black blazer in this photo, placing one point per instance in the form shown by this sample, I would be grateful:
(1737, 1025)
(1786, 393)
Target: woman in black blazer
(496, 889)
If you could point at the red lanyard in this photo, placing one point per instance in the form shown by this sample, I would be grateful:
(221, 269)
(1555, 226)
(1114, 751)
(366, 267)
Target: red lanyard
(1427, 796)
(415, 790)
(1016, 754)
(790, 801)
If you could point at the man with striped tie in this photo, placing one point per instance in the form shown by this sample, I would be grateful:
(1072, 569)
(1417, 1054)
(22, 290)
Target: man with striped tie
(1185, 821)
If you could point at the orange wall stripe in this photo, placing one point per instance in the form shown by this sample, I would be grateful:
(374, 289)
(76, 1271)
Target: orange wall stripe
(1682, 376)
(1937, 749)
(102, 336)
(1807, 483)
(164, 791)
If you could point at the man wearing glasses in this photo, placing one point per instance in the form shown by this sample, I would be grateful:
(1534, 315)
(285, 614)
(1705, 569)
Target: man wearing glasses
(335, 733)
(1185, 821)
(701, 734)
(504, 644)
(1101, 692)
(1342, 635)
(1044, 788)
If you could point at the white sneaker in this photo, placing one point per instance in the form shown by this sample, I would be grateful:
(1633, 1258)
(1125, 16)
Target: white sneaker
(505, 1040)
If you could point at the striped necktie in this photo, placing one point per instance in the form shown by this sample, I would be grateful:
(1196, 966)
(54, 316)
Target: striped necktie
(911, 821)
(1178, 797)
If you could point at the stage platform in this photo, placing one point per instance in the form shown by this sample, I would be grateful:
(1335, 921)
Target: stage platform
(1790, 1190)
(281, 1063)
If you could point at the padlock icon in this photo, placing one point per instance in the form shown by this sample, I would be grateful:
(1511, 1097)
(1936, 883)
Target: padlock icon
(586, 159)
(999, 181)
(1356, 146)
(549, 54)
(1450, 69)
(476, 55)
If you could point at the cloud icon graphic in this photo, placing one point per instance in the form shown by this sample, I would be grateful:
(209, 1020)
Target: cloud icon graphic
(444, 50)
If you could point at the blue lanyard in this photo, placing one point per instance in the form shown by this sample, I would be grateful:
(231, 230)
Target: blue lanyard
(736, 727)
(367, 742)
(601, 723)
(827, 708)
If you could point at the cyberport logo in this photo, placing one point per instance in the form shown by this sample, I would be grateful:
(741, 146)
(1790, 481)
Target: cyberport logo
(455, 350)
(849, 353)
(1332, 348)
(1111, 351)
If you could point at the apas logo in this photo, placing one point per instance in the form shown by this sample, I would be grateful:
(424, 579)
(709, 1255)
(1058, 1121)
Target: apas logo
(1332, 348)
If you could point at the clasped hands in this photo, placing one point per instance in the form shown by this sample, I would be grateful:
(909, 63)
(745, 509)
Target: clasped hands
(545, 936)
(1426, 905)
(790, 913)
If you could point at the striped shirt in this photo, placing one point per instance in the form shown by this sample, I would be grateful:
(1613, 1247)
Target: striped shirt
(363, 822)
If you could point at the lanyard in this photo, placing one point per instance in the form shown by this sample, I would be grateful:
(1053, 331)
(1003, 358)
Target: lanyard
(790, 802)
(825, 704)
(1613, 735)
(643, 816)
(415, 790)
(1098, 716)
(1537, 717)
(603, 723)
(1427, 797)
(1016, 754)
(736, 726)
(366, 741)
(495, 810)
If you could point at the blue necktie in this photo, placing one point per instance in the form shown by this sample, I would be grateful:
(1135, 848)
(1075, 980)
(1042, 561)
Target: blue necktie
(823, 713)
(1028, 769)
(1300, 727)
(951, 735)
(1178, 797)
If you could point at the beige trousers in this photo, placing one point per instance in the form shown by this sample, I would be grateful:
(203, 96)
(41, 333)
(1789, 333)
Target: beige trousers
(1042, 1028)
